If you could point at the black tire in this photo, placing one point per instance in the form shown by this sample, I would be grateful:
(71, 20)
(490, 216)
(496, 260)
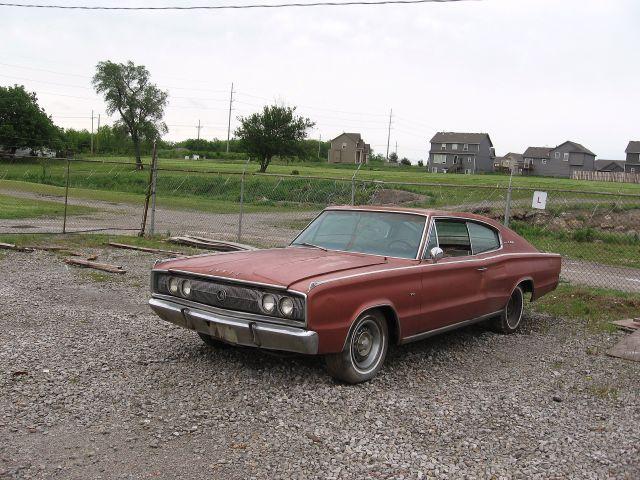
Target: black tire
(511, 316)
(211, 341)
(364, 352)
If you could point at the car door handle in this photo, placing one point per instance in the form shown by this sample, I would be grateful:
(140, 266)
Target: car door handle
(481, 269)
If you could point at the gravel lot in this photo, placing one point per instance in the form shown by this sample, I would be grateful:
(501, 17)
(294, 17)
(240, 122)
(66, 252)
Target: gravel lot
(93, 385)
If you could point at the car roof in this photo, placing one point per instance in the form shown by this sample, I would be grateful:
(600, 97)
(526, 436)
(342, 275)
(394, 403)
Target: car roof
(418, 211)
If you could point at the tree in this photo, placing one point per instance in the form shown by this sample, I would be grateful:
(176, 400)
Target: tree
(275, 131)
(405, 161)
(128, 91)
(23, 124)
(420, 163)
(393, 157)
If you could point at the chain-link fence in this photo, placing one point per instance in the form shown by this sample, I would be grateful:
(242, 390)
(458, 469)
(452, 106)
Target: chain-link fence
(598, 233)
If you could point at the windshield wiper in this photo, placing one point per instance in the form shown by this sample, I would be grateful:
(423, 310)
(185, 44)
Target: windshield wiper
(306, 244)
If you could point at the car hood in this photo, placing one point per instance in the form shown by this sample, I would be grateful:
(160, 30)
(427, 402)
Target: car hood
(280, 267)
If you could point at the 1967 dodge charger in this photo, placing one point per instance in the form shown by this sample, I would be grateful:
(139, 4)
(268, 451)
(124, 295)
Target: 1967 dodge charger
(355, 280)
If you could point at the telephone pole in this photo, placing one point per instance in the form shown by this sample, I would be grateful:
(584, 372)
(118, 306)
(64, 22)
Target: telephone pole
(229, 124)
(199, 128)
(396, 150)
(97, 133)
(389, 133)
(319, 143)
(91, 132)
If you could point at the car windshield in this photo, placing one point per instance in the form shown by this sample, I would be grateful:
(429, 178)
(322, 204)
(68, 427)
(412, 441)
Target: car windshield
(379, 233)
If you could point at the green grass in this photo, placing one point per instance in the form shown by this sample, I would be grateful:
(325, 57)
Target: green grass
(15, 208)
(585, 244)
(594, 308)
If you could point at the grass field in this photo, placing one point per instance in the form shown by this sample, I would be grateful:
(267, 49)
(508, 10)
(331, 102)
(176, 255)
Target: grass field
(15, 208)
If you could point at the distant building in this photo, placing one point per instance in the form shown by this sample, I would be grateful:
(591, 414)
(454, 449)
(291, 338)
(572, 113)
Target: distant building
(513, 161)
(35, 152)
(603, 165)
(453, 152)
(632, 165)
(349, 148)
(560, 161)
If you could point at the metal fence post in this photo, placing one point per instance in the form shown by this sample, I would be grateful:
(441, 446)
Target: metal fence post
(244, 170)
(66, 198)
(154, 182)
(507, 208)
(353, 184)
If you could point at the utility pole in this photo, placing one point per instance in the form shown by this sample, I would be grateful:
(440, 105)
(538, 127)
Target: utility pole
(389, 133)
(319, 143)
(229, 124)
(97, 133)
(91, 132)
(199, 128)
(396, 150)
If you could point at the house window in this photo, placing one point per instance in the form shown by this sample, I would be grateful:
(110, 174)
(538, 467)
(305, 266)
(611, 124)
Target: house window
(632, 170)
(439, 158)
(557, 155)
(566, 157)
(455, 159)
(454, 146)
(434, 170)
(344, 145)
(444, 146)
(467, 171)
(544, 161)
(465, 147)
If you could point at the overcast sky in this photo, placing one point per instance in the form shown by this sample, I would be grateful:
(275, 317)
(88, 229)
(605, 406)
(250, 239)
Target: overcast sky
(528, 72)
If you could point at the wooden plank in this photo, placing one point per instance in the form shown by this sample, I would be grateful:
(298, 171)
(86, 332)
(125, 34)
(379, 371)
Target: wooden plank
(105, 267)
(11, 246)
(145, 249)
(628, 348)
(630, 324)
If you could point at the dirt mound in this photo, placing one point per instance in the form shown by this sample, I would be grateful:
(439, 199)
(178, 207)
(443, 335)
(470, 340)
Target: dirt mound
(388, 196)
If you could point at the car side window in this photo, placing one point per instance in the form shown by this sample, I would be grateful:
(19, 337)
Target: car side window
(432, 241)
(483, 238)
(453, 237)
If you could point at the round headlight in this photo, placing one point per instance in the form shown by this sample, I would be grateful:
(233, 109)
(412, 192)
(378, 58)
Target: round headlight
(268, 303)
(173, 286)
(286, 306)
(186, 288)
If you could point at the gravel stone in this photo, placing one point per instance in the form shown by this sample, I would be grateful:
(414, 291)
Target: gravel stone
(94, 385)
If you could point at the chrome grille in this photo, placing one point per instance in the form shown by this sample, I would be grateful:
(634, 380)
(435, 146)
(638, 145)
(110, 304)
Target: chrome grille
(229, 295)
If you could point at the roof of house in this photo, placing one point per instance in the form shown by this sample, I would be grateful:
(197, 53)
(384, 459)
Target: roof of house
(603, 163)
(537, 152)
(633, 147)
(356, 137)
(576, 147)
(458, 137)
(517, 156)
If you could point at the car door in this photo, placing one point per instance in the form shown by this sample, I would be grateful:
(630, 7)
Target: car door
(485, 247)
(451, 287)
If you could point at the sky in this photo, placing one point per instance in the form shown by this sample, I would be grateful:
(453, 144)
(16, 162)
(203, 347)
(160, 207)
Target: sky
(528, 72)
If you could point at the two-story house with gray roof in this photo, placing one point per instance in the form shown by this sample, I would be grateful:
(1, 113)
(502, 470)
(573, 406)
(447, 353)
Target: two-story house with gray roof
(632, 165)
(560, 161)
(348, 148)
(453, 152)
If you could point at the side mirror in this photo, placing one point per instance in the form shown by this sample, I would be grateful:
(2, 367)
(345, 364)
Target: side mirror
(436, 253)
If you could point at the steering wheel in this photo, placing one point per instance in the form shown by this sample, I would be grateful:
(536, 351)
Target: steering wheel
(406, 244)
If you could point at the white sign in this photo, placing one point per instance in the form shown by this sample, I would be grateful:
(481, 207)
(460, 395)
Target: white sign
(539, 200)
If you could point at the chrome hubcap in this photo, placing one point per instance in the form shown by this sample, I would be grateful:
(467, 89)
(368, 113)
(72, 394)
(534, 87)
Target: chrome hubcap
(366, 344)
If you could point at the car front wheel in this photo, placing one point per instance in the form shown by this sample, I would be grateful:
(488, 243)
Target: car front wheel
(364, 352)
(511, 316)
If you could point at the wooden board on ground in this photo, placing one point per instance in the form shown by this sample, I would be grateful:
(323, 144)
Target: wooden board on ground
(105, 267)
(210, 244)
(11, 246)
(145, 249)
(627, 348)
(630, 324)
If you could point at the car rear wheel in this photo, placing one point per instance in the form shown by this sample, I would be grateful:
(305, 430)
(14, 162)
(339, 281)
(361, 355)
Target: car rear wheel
(511, 316)
(364, 352)
(211, 341)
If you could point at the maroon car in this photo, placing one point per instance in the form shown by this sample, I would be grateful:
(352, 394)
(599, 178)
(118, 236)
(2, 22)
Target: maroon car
(354, 281)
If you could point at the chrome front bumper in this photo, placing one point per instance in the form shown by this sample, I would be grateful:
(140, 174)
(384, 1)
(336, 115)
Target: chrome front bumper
(237, 330)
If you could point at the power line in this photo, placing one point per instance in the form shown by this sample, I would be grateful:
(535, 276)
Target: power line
(233, 7)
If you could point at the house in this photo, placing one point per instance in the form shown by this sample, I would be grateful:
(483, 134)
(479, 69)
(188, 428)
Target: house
(560, 161)
(348, 148)
(513, 161)
(453, 152)
(603, 165)
(35, 152)
(632, 165)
